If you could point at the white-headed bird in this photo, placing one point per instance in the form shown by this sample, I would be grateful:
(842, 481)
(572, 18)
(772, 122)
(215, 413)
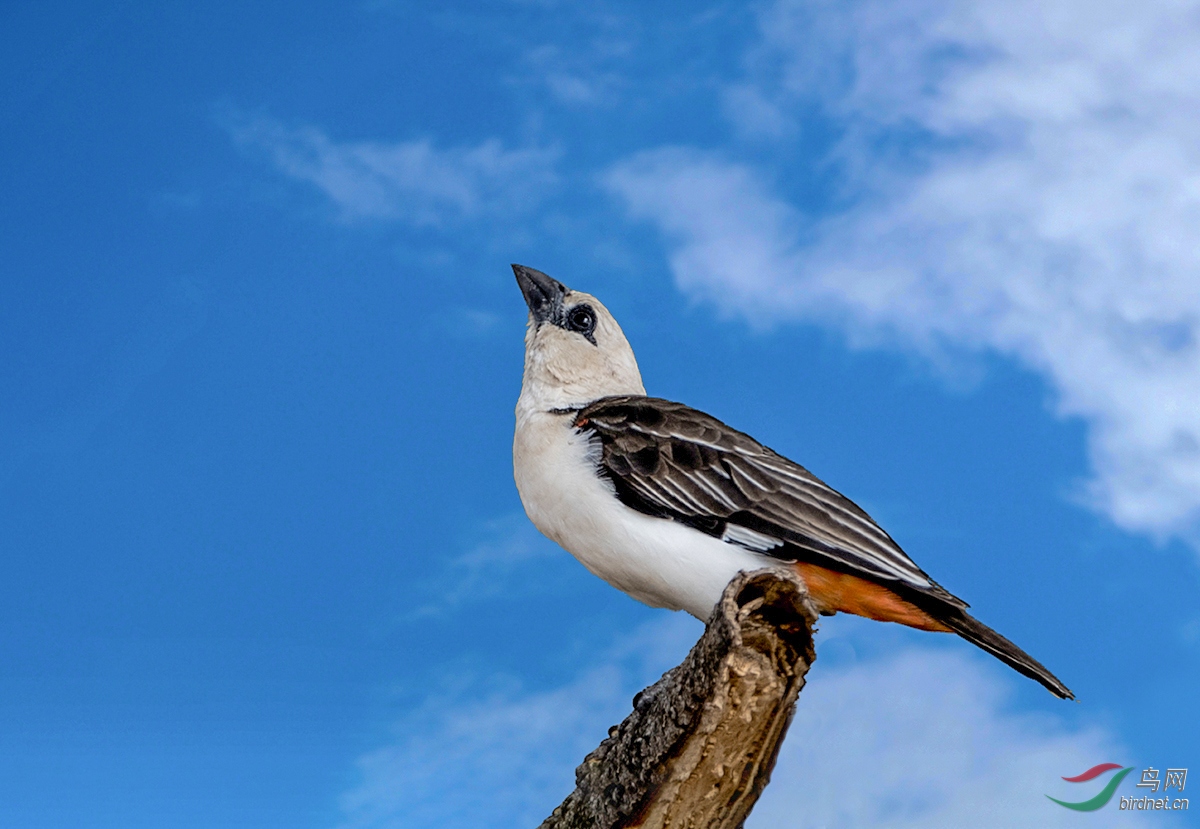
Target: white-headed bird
(668, 503)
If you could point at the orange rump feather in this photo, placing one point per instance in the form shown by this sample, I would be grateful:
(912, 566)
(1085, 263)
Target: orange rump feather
(843, 592)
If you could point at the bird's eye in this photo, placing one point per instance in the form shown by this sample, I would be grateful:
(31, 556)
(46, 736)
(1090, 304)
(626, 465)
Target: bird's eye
(582, 318)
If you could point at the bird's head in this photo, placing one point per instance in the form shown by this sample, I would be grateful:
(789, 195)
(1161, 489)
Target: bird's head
(574, 350)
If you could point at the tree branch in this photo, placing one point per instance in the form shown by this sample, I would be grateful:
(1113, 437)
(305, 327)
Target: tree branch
(699, 747)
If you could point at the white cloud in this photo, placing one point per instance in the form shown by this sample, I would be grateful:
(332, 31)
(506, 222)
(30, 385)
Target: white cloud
(732, 241)
(923, 739)
(410, 181)
(920, 738)
(1021, 177)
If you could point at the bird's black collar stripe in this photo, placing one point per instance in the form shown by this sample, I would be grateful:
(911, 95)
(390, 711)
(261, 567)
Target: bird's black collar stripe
(565, 410)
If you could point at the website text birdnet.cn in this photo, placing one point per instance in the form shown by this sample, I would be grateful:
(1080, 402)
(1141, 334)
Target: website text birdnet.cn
(1171, 779)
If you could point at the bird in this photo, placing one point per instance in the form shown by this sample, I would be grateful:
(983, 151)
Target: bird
(669, 504)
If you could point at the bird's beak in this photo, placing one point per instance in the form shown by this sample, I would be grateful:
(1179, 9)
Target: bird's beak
(543, 295)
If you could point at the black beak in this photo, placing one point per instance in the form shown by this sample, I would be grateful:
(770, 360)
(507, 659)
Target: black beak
(543, 295)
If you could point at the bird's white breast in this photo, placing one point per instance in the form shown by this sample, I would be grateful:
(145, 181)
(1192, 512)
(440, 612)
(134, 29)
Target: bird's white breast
(657, 561)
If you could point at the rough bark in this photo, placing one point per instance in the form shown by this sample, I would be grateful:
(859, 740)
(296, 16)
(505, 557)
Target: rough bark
(698, 748)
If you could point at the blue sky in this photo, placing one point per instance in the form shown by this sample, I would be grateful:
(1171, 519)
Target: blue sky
(263, 562)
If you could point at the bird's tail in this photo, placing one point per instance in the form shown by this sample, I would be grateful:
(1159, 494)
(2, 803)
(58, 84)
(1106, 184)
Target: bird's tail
(980, 634)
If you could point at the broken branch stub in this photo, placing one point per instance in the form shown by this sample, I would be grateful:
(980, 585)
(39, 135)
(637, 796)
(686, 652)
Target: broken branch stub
(698, 748)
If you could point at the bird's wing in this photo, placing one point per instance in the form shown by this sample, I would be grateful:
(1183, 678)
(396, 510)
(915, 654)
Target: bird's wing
(672, 461)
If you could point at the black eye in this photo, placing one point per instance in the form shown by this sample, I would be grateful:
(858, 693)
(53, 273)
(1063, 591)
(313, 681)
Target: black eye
(582, 318)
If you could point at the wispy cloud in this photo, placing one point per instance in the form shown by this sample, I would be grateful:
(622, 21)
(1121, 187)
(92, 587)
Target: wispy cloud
(578, 77)
(502, 761)
(1023, 178)
(506, 758)
(507, 561)
(920, 738)
(410, 181)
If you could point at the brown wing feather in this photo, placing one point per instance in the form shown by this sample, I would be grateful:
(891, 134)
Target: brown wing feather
(674, 461)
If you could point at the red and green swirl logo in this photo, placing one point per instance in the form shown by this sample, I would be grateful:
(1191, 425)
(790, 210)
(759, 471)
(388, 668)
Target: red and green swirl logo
(1105, 795)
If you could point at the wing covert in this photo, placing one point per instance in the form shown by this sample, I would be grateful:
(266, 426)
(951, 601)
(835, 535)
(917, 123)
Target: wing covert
(672, 461)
